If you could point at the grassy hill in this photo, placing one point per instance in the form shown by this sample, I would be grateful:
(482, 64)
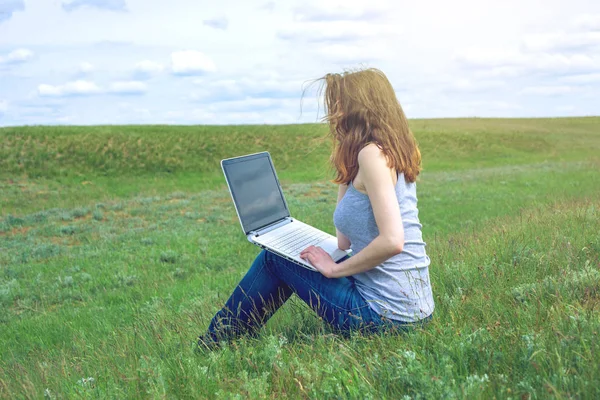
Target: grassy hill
(118, 243)
(300, 151)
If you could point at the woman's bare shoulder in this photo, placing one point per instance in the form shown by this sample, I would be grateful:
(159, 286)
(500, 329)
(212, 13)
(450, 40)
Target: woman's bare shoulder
(372, 162)
(371, 152)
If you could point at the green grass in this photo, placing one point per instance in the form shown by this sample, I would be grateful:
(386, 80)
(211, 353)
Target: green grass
(111, 264)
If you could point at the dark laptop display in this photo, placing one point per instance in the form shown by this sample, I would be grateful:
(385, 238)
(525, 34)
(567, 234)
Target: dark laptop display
(255, 191)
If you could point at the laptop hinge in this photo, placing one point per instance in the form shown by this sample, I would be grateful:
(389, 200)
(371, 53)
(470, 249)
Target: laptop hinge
(272, 226)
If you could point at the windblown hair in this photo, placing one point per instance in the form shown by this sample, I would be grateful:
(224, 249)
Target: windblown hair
(362, 108)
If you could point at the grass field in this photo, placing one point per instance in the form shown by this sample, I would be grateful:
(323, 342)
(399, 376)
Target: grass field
(118, 244)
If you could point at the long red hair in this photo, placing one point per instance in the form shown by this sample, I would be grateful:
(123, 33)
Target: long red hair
(362, 108)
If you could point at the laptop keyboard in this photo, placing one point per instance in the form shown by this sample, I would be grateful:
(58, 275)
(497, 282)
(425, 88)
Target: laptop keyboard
(293, 242)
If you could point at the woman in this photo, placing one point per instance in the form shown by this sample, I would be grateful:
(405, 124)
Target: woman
(385, 284)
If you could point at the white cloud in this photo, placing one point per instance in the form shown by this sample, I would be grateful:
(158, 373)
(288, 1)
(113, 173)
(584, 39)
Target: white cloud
(351, 53)
(566, 108)
(111, 5)
(477, 57)
(207, 116)
(175, 114)
(273, 86)
(9, 7)
(252, 117)
(492, 105)
(562, 62)
(217, 23)
(347, 33)
(65, 119)
(336, 10)
(142, 112)
(562, 41)
(498, 72)
(128, 87)
(337, 31)
(88, 88)
(129, 109)
(3, 106)
(502, 63)
(268, 6)
(76, 88)
(252, 104)
(583, 79)
(85, 67)
(197, 115)
(34, 110)
(17, 56)
(549, 90)
(191, 62)
(574, 49)
(471, 85)
(587, 22)
(146, 69)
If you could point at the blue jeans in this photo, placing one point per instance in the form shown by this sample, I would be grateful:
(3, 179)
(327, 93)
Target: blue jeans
(272, 279)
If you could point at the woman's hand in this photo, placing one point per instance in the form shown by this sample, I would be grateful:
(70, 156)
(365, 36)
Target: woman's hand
(319, 259)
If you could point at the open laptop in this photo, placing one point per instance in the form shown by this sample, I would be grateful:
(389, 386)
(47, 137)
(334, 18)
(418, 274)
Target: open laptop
(264, 214)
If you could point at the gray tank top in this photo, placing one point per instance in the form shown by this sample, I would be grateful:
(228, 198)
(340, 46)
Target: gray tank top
(398, 288)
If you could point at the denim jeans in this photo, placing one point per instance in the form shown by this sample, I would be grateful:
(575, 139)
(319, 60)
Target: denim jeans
(272, 279)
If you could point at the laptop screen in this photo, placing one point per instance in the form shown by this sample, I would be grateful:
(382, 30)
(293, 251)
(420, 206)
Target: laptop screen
(255, 190)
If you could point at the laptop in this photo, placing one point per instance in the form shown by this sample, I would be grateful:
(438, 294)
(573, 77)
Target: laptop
(264, 214)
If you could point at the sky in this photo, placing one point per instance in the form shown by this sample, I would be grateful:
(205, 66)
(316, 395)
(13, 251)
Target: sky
(84, 62)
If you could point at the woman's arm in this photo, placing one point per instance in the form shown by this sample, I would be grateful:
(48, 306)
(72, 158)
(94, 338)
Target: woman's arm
(380, 189)
(343, 241)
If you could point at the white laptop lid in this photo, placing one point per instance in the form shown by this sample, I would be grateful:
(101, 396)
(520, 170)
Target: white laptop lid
(255, 190)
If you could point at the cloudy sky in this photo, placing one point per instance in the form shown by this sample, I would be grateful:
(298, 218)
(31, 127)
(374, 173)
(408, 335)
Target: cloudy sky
(231, 62)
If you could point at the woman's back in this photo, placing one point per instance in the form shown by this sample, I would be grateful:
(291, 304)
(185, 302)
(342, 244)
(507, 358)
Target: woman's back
(399, 288)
